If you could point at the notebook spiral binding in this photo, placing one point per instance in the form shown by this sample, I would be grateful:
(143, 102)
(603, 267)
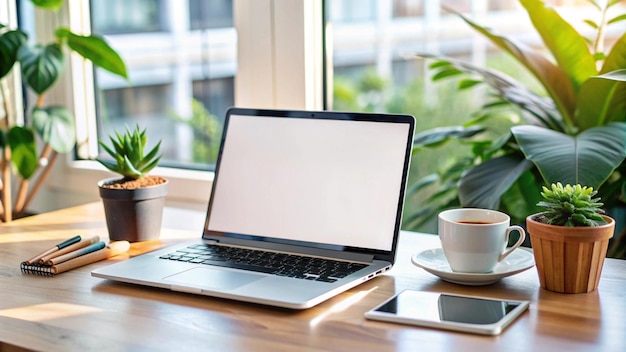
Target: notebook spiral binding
(36, 269)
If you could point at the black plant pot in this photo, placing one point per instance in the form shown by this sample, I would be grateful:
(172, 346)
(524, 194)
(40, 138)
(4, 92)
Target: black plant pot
(133, 214)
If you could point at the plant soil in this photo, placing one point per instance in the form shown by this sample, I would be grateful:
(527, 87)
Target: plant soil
(127, 183)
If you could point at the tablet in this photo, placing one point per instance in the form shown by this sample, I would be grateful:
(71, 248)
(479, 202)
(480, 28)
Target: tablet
(479, 315)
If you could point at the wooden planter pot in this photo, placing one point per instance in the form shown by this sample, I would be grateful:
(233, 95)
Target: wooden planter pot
(133, 214)
(569, 259)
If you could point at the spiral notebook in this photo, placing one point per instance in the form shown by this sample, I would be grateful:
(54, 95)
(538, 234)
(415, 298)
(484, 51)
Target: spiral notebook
(70, 254)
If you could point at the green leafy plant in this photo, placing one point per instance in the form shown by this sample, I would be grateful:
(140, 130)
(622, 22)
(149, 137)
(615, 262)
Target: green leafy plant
(572, 130)
(128, 153)
(570, 206)
(40, 66)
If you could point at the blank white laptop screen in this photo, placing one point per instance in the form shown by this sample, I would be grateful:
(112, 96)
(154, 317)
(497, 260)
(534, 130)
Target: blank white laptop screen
(323, 181)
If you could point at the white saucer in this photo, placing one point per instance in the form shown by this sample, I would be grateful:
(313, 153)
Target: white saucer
(434, 261)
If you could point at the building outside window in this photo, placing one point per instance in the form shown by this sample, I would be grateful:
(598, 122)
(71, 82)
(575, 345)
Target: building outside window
(181, 65)
(127, 16)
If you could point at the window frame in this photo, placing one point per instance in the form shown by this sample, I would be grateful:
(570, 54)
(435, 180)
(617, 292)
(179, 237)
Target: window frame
(292, 30)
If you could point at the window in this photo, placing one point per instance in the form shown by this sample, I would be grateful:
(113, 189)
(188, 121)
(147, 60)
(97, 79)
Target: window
(183, 65)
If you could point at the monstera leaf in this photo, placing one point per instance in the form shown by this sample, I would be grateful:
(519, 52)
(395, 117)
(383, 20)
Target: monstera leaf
(55, 125)
(41, 65)
(588, 158)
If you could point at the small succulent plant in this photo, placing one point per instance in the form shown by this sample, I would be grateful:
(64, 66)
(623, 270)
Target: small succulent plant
(128, 154)
(570, 206)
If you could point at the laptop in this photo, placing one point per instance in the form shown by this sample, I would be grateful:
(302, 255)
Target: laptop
(304, 205)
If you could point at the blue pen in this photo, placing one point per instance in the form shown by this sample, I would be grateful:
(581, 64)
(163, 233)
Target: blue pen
(61, 245)
(77, 253)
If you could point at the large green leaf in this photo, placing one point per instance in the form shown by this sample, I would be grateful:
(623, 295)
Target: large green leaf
(587, 159)
(10, 42)
(602, 99)
(567, 46)
(23, 151)
(521, 199)
(553, 79)
(94, 48)
(482, 186)
(55, 125)
(41, 65)
(616, 58)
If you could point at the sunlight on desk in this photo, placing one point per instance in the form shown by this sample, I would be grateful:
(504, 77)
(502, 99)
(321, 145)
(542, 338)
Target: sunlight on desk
(47, 311)
(341, 306)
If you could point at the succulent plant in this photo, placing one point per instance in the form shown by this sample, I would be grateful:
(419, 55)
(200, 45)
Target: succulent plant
(570, 206)
(128, 154)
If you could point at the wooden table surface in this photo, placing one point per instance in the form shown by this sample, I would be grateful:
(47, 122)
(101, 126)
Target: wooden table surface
(76, 312)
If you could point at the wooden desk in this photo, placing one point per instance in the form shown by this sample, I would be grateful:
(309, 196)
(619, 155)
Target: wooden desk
(76, 312)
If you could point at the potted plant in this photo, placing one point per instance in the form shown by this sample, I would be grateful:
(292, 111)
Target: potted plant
(570, 238)
(23, 160)
(133, 204)
(572, 124)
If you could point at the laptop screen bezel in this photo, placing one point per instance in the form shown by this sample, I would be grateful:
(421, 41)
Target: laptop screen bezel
(270, 242)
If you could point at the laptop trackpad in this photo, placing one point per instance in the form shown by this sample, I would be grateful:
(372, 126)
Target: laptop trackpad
(214, 279)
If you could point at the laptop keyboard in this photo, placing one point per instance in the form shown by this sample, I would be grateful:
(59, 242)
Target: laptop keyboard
(282, 264)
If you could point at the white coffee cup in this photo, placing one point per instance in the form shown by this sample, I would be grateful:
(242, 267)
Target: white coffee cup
(474, 240)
